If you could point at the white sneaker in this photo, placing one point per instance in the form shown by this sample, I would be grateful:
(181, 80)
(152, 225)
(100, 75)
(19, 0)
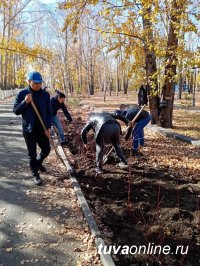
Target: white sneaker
(122, 165)
(99, 171)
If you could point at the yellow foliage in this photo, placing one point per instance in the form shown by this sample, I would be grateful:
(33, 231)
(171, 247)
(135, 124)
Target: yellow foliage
(126, 37)
(14, 46)
(21, 77)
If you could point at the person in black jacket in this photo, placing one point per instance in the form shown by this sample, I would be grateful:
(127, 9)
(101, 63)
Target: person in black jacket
(57, 102)
(138, 127)
(107, 131)
(142, 96)
(33, 131)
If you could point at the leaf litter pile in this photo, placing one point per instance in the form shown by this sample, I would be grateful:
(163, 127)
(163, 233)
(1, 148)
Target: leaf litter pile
(156, 201)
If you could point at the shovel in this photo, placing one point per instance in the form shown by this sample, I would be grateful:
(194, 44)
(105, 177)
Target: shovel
(44, 127)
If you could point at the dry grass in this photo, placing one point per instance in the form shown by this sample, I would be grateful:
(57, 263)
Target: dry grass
(187, 123)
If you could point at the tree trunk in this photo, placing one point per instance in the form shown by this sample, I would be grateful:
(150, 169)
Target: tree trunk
(124, 81)
(7, 56)
(2, 56)
(170, 67)
(125, 85)
(117, 80)
(180, 87)
(100, 81)
(150, 65)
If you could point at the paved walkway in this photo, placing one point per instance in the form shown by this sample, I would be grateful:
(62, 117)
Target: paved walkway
(27, 225)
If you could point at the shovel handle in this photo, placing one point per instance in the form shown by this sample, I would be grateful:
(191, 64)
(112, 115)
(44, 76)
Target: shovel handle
(134, 119)
(105, 158)
(45, 129)
(38, 115)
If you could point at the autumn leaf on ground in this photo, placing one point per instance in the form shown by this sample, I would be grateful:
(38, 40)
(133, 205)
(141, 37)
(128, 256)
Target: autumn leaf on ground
(9, 250)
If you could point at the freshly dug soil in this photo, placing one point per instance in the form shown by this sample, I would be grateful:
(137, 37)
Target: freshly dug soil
(154, 202)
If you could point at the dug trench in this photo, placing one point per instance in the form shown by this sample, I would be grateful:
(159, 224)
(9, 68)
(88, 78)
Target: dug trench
(148, 204)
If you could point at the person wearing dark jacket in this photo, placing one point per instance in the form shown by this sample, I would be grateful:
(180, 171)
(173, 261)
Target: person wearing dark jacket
(107, 131)
(57, 102)
(142, 96)
(138, 130)
(33, 131)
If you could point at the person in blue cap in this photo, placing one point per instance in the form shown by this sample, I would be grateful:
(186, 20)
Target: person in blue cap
(33, 131)
(58, 102)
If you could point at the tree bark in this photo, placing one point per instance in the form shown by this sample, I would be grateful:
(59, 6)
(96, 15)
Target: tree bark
(170, 66)
(150, 66)
(180, 87)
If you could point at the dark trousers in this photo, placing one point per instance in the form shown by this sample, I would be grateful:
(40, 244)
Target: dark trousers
(109, 134)
(32, 139)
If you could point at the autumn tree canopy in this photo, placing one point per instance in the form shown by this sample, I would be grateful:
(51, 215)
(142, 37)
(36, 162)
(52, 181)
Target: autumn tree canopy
(85, 46)
(152, 35)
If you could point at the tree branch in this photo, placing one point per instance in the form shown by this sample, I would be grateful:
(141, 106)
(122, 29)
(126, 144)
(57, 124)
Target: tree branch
(120, 33)
(17, 13)
(16, 51)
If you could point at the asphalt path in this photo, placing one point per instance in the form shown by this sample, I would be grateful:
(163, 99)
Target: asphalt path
(26, 229)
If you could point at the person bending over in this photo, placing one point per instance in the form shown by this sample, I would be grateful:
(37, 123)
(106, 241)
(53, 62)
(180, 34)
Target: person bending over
(138, 127)
(107, 131)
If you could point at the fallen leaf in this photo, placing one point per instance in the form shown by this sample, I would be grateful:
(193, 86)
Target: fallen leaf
(54, 245)
(9, 250)
(77, 250)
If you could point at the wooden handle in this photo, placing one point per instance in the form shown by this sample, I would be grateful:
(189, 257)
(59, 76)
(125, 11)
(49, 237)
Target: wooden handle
(38, 115)
(45, 129)
(134, 119)
(127, 132)
(105, 158)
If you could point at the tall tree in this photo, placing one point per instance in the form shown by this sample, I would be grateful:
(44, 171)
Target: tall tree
(150, 58)
(178, 7)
